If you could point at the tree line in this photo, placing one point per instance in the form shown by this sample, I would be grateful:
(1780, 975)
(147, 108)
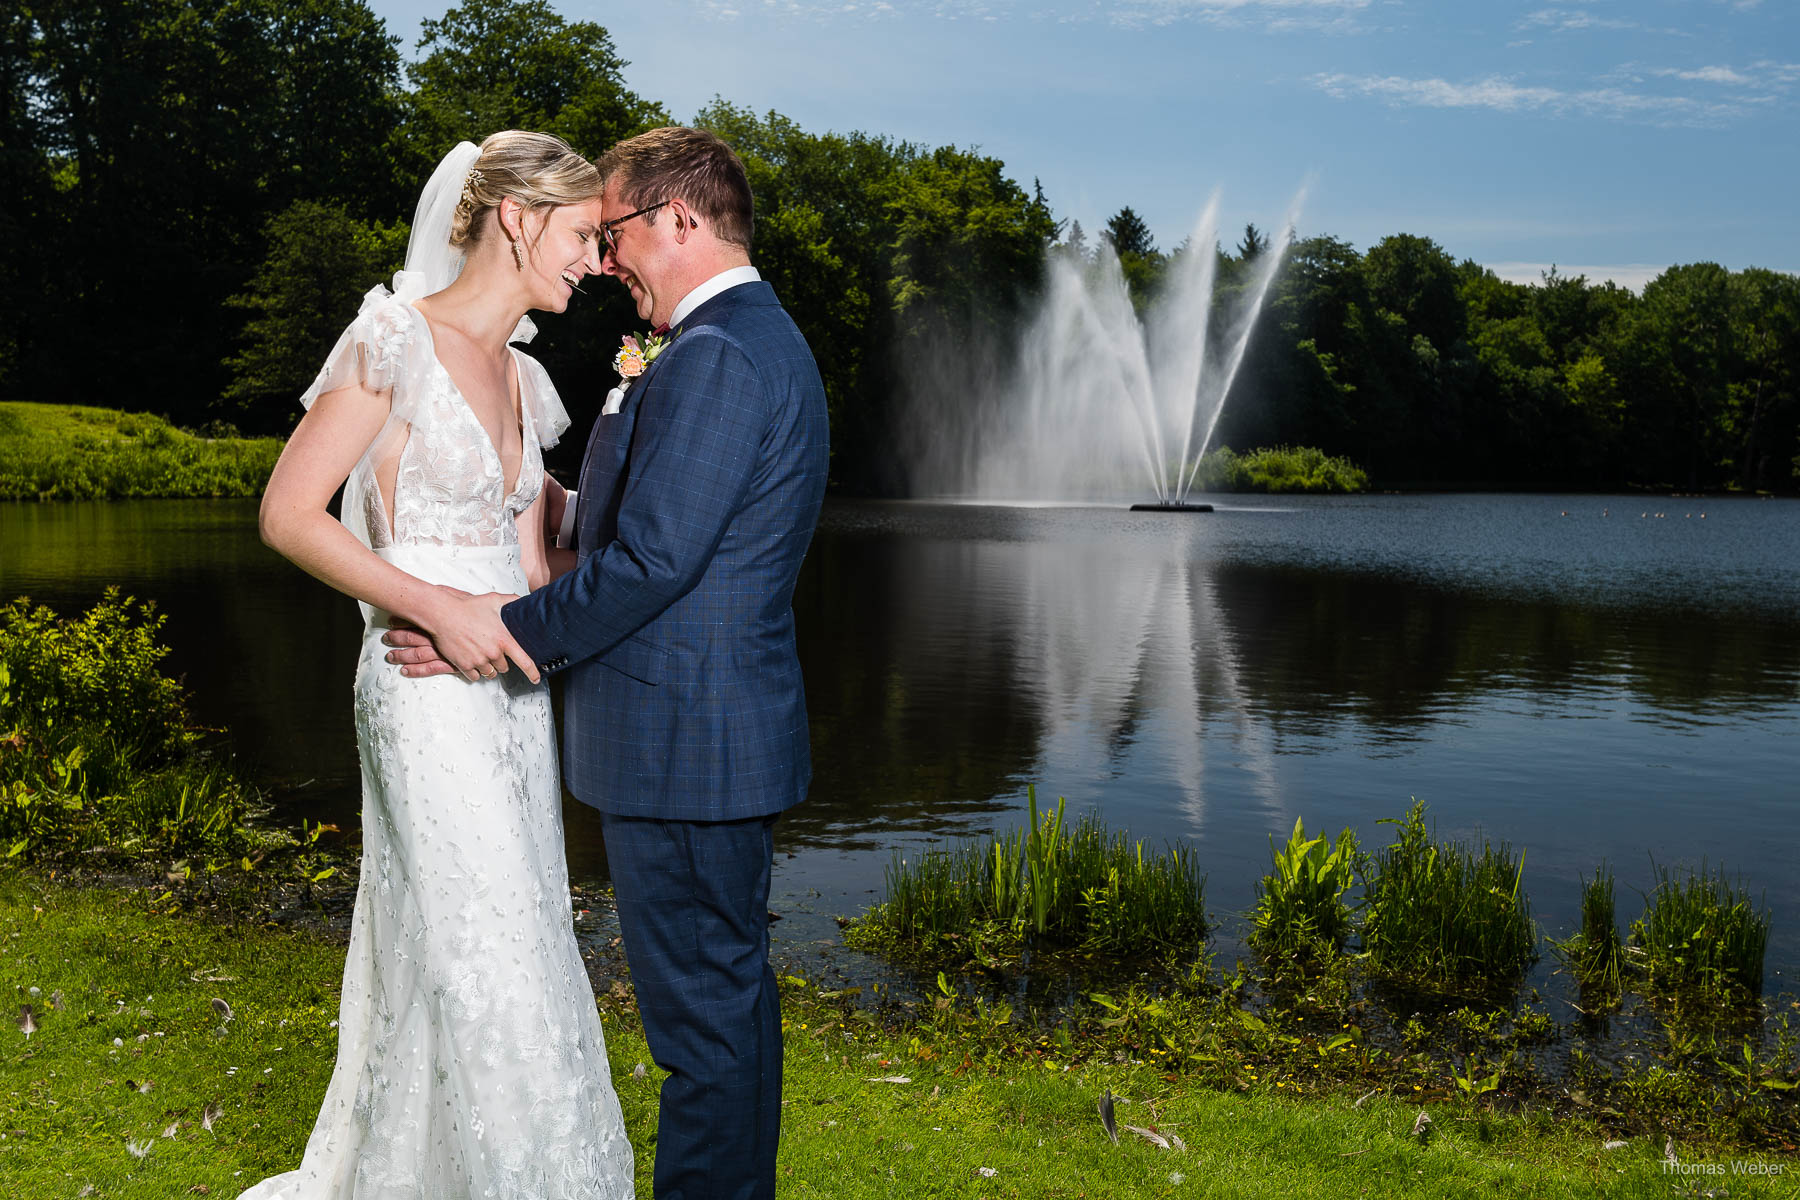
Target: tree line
(198, 192)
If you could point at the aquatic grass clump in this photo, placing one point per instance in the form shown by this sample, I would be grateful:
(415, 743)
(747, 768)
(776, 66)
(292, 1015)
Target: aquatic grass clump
(1300, 910)
(1595, 956)
(1443, 915)
(1702, 937)
(1050, 884)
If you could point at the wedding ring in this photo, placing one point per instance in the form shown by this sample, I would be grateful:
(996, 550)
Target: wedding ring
(489, 674)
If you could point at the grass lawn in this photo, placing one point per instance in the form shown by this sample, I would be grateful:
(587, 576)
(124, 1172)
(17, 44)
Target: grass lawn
(139, 1051)
(71, 452)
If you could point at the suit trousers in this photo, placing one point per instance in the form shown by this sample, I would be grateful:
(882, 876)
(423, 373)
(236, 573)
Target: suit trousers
(693, 901)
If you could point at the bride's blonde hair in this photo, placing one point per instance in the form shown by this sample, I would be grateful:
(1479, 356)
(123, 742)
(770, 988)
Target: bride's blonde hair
(536, 169)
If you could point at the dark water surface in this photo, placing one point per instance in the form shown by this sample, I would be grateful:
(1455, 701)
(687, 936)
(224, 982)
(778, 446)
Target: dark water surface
(1595, 685)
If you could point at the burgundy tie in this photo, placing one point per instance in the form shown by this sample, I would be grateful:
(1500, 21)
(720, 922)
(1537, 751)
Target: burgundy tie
(660, 330)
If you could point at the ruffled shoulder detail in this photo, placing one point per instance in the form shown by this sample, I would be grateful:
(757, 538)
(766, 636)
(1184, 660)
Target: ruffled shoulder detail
(548, 416)
(374, 352)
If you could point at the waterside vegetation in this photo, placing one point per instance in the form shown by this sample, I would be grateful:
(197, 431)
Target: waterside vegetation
(1048, 887)
(1278, 469)
(169, 1056)
(125, 975)
(72, 452)
(104, 772)
(1413, 985)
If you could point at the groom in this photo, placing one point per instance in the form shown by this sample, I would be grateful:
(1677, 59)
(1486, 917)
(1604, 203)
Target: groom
(684, 712)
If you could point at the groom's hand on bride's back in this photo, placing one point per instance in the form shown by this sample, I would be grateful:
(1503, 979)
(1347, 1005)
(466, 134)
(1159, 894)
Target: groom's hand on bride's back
(467, 637)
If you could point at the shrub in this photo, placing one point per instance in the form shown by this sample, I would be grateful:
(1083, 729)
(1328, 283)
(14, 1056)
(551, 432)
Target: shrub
(1279, 469)
(1300, 910)
(96, 746)
(1443, 915)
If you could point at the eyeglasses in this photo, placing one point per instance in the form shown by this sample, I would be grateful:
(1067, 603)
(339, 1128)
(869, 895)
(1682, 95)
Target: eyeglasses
(606, 230)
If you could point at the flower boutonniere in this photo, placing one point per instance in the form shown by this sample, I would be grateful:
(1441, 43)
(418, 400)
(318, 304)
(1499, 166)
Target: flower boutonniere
(633, 358)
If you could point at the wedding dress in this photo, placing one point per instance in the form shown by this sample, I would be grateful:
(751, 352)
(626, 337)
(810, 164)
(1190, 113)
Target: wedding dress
(471, 1061)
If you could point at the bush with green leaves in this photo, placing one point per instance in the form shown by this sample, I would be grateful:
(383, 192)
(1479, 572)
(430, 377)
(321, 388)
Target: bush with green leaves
(1278, 469)
(1300, 910)
(96, 745)
(1445, 915)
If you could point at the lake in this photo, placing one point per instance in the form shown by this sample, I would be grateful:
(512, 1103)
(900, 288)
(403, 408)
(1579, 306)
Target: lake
(1587, 677)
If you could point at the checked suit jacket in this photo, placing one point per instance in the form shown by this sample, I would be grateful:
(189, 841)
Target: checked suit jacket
(675, 633)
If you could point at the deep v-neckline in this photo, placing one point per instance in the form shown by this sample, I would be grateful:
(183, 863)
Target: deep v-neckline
(487, 439)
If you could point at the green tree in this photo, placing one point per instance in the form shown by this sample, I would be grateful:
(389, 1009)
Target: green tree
(1413, 278)
(175, 128)
(1763, 405)
(517, 64)
(1140, 263)
(968, 243)
(1680, 418)
(320, 261)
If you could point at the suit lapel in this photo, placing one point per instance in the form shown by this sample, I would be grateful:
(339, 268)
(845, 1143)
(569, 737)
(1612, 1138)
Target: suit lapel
(609, 442)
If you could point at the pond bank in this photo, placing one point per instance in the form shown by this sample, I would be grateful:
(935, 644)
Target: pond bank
(137, 1054)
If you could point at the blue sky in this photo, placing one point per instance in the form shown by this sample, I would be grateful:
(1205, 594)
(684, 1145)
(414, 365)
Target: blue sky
(1611, 138)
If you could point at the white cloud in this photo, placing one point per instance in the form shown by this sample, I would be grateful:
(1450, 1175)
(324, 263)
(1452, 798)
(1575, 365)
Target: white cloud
(1503, 95)
(1707, 75)
(1627, 275)
(1563, 20)
(1272, 16)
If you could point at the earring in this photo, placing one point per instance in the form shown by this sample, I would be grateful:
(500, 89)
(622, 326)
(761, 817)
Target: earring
(518, 256)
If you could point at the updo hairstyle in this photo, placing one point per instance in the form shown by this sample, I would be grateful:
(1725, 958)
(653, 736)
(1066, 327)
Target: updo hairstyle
(535, 169)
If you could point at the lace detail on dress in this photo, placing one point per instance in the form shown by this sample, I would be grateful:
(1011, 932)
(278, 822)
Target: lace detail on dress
(449, 487)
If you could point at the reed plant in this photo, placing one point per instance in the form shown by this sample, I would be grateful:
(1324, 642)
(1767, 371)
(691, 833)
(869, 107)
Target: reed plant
(73, 452)
(1701, 937)
(1300, 911)
(1595, 956)
(1444, 915)
(1051, 884)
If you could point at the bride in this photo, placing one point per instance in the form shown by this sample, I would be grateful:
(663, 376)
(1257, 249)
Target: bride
(470, 1056)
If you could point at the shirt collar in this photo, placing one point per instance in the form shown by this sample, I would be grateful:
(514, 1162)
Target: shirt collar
(723, 281)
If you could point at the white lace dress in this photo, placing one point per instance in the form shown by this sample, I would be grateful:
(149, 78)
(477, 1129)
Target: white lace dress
(470, 1056)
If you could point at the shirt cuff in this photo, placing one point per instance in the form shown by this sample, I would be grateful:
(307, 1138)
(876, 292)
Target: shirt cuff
(565, 537)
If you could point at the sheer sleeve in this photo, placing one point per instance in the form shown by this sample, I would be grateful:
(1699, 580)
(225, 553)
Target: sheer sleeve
(548, 415)
(373, 352)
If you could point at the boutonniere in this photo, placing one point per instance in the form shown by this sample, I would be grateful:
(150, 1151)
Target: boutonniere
(633, 358)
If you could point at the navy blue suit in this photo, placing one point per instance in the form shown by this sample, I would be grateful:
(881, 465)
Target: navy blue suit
(684, 716)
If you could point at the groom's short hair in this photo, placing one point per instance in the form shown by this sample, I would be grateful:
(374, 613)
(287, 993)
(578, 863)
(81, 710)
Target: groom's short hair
(675, 162)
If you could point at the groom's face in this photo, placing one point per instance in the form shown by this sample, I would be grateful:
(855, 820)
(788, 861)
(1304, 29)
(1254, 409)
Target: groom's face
(637, 256)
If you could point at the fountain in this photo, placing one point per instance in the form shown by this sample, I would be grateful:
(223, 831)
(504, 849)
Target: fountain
(1099, 404)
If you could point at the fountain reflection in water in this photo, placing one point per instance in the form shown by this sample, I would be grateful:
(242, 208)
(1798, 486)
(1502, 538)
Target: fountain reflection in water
(1131, 657)
(1099, 404)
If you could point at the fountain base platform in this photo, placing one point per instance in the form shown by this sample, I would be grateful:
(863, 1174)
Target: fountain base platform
(1172, 508)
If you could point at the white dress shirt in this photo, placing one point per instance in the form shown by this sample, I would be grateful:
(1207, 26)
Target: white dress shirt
(723, 281)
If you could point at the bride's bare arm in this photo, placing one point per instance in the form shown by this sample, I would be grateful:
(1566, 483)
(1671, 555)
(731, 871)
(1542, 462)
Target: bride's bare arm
(294, 521)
